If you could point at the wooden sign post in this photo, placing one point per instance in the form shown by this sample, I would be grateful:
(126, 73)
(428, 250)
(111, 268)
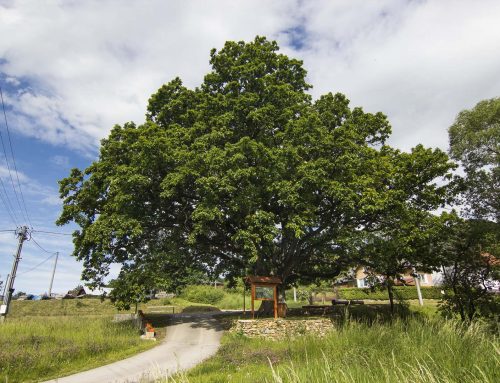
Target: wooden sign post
(264, 289)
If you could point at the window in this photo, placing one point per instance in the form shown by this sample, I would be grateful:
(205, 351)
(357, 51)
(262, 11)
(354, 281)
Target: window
(422, 278)
(361, 283)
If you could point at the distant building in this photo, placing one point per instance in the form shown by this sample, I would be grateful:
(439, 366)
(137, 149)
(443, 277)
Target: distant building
(77, 292)
(426, 279)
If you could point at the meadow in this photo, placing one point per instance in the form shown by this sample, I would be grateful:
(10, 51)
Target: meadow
(39, 348)
(412, 349)
(52, 338)
(369, 344)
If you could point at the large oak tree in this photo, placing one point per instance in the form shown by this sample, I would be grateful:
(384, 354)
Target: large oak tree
(243, 174)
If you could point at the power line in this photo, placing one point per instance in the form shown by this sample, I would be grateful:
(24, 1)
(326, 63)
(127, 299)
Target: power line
(6, 230)
(6, 199)
(6, 203)
(14, 162)
(37, 266)
(41, 248)
(50, 232)
(11, 179)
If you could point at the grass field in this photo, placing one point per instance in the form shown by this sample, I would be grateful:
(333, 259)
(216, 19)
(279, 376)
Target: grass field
(416, 349)
(77, 307)
(52, 338)
(367, 345)
(39, 348)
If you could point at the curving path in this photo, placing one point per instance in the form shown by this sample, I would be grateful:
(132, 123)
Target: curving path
(190, 339)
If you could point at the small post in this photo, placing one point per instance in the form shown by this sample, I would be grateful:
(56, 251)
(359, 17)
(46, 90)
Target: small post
(253, 298)
(295, 294)
(244, 303)
(276, 302)
(419, 293)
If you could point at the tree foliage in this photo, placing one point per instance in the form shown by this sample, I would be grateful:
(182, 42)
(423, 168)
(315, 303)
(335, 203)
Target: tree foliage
(475, 141)
(471, 254)
(404, 237)
(244, 174)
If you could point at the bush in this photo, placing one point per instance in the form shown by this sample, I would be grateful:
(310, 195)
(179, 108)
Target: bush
(203, 294)
(400, 292)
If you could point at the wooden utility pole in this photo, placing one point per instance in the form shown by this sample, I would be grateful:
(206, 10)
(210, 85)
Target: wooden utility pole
(4, 308)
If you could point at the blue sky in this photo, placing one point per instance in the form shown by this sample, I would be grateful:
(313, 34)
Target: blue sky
(70, 70)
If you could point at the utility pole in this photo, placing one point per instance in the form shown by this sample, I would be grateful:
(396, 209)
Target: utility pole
(4, 308)
(53, 272)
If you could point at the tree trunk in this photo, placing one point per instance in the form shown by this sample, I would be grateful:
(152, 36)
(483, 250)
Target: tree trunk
(472, 309)
(390, 292)
(266, 309)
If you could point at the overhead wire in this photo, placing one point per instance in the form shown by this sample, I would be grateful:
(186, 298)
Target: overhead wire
(40, 247)
(25, 212)
(37, 266)
(41, 263)
(50, 232)
(6, 202)
(11, 179)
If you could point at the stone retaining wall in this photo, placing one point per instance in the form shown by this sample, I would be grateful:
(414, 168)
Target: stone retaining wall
(281, 328)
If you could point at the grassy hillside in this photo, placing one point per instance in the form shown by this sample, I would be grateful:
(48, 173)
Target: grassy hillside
(78, 307)
(53, 338)
(35, 349)
(416, 349)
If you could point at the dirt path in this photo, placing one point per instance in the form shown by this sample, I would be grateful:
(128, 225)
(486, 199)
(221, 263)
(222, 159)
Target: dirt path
(189, 340)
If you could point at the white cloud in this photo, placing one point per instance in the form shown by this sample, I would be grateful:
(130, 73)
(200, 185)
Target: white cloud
(419, 62)
(35, 195)
(60, 161)
(93, 64)
(73, 69)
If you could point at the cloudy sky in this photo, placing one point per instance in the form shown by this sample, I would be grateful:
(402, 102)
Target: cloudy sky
(70, 70)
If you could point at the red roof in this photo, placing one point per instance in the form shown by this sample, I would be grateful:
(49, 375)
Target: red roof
(269, 279)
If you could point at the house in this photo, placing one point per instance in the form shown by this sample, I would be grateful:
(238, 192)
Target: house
(78, 292)
(426, 279)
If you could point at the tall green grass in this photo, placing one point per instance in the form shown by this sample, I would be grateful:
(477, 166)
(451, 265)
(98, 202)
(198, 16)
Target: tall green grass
(40, 348)
(413, 350)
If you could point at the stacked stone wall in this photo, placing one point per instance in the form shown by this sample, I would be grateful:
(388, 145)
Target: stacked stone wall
(282, 328)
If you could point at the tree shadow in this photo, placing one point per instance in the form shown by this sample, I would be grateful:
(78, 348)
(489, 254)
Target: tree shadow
(218, 321)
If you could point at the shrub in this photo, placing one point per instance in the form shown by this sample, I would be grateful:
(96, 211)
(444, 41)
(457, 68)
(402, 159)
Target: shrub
(203, 294)
(400, 292)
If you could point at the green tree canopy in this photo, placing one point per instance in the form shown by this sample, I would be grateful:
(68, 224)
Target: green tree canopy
(244, 174)
(406, 235)
(475, 141)
(470, 250)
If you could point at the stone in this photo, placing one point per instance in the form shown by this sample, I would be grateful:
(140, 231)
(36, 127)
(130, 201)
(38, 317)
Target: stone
(282, 328)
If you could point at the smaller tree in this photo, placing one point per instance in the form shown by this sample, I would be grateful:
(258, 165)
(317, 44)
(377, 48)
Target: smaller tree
(137, 282)
(402, 238)
(471, 251)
